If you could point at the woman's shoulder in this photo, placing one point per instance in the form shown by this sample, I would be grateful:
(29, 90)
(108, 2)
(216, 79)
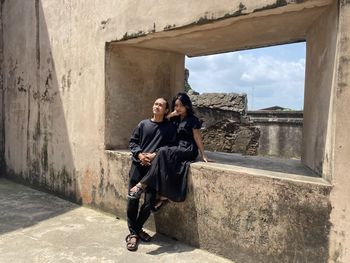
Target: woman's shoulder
(194, 122)
(192, 118)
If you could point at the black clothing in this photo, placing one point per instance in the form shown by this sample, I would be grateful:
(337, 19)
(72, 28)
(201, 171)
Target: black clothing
(168, 172)
(136, 218)
(148, 136)
(185, 132)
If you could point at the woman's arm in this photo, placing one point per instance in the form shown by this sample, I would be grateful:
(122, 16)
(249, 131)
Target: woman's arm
(172, 114)
(198, 138)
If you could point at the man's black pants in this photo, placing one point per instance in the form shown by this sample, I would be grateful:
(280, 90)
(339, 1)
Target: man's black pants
(137, 218)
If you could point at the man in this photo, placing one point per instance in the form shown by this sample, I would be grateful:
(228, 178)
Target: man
(147, 137)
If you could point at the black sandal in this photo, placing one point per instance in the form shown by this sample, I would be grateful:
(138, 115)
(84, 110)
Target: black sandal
(144, 236)
(130, 245)
(137, 193)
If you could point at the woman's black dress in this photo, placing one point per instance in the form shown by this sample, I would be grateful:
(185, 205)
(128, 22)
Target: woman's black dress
(168, 171)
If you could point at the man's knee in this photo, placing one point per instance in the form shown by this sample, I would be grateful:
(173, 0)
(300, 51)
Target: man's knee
(132, 206)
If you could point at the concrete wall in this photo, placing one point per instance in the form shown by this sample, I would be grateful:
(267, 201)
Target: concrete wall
(340, 196)
(40, 123)
(145, 72)
(2, 139)
(321, 43)
(273, 138)
(280, 132)
(54, 71)
(247, 215)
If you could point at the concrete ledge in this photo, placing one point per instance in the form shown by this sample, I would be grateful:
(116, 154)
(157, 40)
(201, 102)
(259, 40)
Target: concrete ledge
(245, 214)
(215, 167)
(296, 121)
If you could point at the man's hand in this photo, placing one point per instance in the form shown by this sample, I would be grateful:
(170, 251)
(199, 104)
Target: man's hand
(151, 156)
(146, 158)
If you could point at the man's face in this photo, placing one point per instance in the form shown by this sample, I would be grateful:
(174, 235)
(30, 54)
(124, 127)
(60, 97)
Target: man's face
(159, 107)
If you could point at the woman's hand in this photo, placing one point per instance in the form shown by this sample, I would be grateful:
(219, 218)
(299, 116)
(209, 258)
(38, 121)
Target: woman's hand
(205, 158)
(172, 114)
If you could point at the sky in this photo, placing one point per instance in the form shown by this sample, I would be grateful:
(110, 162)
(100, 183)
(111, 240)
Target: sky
(269, 76)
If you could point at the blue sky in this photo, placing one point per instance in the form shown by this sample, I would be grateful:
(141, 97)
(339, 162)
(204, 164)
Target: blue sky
(269, 76)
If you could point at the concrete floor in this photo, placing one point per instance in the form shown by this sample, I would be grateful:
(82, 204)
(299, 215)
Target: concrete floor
(38, 227)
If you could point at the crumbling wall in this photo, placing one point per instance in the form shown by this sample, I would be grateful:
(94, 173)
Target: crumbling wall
(225, 126)
(229, 127)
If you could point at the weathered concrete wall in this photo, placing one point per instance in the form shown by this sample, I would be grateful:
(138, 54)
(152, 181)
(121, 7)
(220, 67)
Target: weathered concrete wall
(320, 60)
(280, 132)
(147, 73)
(2, 134)
(246, 215)
(340, 196)
(54, 106)
(54, 75)
(41, 112)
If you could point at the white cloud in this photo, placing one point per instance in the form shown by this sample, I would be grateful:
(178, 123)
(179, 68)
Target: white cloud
(267, 80)
(247, 77)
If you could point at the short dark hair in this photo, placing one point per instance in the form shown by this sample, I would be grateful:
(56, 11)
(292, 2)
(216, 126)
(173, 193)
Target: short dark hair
(185, 100)
(166, 103)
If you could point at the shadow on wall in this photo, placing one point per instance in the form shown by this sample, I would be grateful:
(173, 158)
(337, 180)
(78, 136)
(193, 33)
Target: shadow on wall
(184, 213)
(37, 145)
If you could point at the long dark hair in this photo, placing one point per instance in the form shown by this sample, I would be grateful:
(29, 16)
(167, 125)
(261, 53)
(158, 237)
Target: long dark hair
(185, 100)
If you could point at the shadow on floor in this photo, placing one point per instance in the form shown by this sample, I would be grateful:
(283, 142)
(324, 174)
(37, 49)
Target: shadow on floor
(22, 206)
(164, 246)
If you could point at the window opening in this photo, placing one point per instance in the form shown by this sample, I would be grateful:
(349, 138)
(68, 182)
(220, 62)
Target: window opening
(257, 105)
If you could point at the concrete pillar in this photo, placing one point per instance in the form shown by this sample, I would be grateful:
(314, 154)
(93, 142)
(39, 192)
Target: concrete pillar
(340, 196)
(135, 77)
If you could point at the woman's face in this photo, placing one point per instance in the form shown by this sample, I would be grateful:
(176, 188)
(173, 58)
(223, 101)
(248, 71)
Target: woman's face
(180, 108)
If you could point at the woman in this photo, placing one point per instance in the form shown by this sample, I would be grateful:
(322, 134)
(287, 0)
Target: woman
(168, 171)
